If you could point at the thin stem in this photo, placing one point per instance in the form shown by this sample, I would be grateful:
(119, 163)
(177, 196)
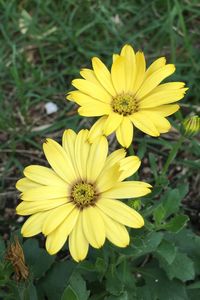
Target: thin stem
(172, 155)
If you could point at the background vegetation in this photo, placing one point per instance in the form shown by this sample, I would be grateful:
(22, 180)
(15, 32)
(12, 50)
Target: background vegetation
(44, 44)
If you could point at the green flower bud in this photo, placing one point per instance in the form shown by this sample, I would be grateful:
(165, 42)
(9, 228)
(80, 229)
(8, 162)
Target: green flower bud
(190, 126)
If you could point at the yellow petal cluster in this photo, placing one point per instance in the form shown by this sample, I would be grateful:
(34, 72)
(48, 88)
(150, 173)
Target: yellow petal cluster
(129, 95)
(77, 197)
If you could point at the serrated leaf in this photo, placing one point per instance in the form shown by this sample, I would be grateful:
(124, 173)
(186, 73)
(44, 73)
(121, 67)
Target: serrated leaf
(79, 286)
(167, 251)
(182, 268)
(54, 282)
(69, 294)
(38, 260)
(176, 223)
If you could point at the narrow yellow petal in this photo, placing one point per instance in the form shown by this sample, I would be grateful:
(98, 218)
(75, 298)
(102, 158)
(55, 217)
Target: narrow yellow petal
(154, 79)
(56, 239)
(124, 132)
(128, 166)
(97, 129)
(161, 98)
(78, 244)
(24, 184)
(156, 65)
(56, 217)
(94, 109)
(115, 232)
(130, 66)
(107, 178)
(89, 75)
(43, 175)
(83, 99)
(68, 143)
(26, 208)
(168, 86)
(45, 193)
(114, 158)
(118, 75)
(33, 224)
(121, 212)
(103, 75)
(82, 148)
(93, 90)
(140, 70)
(127, 189)
(93, 227)
(165, 110)
(159, 122)
(114, 57)
(59, 160)
(112, 123)
(96, 158)
(141, 122)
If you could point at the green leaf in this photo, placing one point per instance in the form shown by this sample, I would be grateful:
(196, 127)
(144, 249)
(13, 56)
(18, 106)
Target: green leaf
(124, 296)
(54, 282)
(176, 224)
(167, 251)
(79, 286)
(182, 268)
(159, 214)
(171, 202)
(69, 294)
(38, 260)
(113, 284)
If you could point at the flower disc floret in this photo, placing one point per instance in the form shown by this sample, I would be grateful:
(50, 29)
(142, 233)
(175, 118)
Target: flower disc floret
(83, 194)
(124, 104)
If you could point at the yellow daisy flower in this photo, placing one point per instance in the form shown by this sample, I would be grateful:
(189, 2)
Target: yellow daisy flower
(76, 197)
(130, 95)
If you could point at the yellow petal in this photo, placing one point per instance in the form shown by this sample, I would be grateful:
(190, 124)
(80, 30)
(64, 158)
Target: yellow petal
(114, 57)
(154, 79)
(78, 244)
(96, 158)
(130, 66)
(165, 110)
(168, 86)
(112, 123)
(83, 99)
(121, 212)
(59, 160)
(128, 166)
(115, 232)
(159, 122)
(97, 129)
(161, 98)
(82, 149)
(24, 184)
(33, 224)
(94, 109)
(156, 65)
(114, 158)
(118, 75)
(89, 75)
(124, 132)
(93, 90)
(56, 217)
(140, 71)
(43, 175)
(107, 178)
(27, 208)
(127, 189)
(141, 122)
(93, 227)
(56, 239)
(68, 143)
(45, 193)
(103, 75)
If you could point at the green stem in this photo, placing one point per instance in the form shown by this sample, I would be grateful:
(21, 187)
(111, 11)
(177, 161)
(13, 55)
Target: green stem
(172, 155)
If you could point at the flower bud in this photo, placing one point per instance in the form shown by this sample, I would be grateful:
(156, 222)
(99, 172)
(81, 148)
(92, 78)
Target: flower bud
(191, 126)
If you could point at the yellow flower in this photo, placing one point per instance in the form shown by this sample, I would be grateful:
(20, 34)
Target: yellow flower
(130, 95)
(76, 197)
